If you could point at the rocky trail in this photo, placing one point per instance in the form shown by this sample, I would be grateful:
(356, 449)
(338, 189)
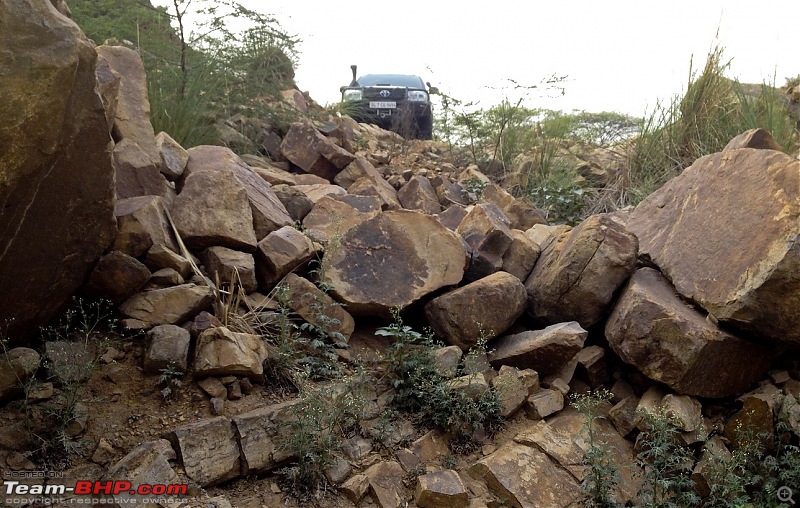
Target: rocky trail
(264, 299)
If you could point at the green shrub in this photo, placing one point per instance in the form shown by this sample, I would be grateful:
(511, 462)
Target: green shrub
(323, 417)
(667, 465)
(419, 388)
(601, 476)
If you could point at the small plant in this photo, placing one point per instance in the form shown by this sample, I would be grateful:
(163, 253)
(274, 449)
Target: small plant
(419, 388)
(169, 381)
(323, 417)
(475, 187)
(666, 464)
(601, 477)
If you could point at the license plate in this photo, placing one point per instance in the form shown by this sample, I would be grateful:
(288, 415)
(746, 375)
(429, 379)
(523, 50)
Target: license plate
(382, 104)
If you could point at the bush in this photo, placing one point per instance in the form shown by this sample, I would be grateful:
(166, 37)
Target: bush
(419, 388)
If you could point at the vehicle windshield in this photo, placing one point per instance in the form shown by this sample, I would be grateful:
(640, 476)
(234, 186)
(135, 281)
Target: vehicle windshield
(391, 80)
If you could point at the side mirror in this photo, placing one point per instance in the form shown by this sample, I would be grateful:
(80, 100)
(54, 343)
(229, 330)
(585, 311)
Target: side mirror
(342, 89)
(432, 89)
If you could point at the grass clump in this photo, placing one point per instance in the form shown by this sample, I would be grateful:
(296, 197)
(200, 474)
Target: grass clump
(420, 389)
(713, 110)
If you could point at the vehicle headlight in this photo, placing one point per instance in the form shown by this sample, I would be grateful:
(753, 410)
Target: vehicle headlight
(417, 96)
(351, 95)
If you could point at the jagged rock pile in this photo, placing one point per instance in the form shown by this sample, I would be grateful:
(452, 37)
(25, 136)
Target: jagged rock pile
(690, 297)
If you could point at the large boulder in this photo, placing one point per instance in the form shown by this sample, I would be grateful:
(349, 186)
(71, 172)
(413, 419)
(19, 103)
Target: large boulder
(56, 178)
(544, 351)
(652, 329)
(137, 160)
(690, 228)
(393, 260)
(483, 309)
(268, 212)
(213, 209)
(577, 274)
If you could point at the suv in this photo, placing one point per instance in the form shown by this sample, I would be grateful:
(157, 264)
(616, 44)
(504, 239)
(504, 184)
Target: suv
(397, 102)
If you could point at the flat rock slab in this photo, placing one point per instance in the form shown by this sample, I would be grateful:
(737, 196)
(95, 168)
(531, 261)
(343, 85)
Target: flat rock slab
(544, 351)
(442, 489)
(527, 478)
(577, 274)
(260, 433)
(317, 308)
(168, 306)
(148, 464)
(393, 260)
(482, 309)
(209, 450)
(652, 329)
(692, 229)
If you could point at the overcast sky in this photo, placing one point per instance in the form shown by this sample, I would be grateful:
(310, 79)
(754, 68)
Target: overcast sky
(617, 55)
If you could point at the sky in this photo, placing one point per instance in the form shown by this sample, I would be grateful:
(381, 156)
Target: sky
(619, 56)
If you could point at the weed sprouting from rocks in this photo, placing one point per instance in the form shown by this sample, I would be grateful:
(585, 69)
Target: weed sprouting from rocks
(601, 473)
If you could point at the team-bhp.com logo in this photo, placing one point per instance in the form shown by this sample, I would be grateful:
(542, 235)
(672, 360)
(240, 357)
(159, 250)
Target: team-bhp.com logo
(16, 492)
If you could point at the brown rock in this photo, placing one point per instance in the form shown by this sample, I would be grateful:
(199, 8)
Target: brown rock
(331, 218)
(267, 210)
(317, 308)
(116, 277)
(371, 183)
(542, 404)
(57, 190)
(686, 228)
(754, 421)
(132, 120)
(386, 484)
(654, 330)
(754, 138)
(136, 175)
(521, 255)
(523, 214)
(294, 200)
(168, 306)
(261, 432)
(307, 148)
(16, 366)
(147, 464)
(208, 450)
(510, 389)
(160, 257)
(393, 260)
(167, 347)
(452, 217)
(577, 274)
(221, 352)
(418, 194)
(212, 209)
(318, 191)
(563, 438)
(544, 351)
(442, 489)
(483, 309)
(230, 267)
(539, 484)
(279, 253)
(141, 223)
(173, 156)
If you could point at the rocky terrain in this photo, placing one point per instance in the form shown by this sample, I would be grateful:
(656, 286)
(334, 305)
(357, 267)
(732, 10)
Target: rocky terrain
(686, 305)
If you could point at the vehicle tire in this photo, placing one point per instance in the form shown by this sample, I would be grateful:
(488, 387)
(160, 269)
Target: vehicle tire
(425, 128)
